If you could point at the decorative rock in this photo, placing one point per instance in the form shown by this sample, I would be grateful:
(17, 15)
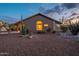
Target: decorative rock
(30, 37)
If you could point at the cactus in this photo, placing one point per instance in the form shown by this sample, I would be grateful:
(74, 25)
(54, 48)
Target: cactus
(24, 30)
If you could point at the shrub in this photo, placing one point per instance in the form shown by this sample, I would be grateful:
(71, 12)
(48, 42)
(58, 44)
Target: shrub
(24, 30)
(74, 28)
(12, 27)
(43, 31)
(48, 30)
(63, 28)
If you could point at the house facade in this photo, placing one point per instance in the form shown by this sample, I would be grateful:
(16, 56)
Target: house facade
(38, 22)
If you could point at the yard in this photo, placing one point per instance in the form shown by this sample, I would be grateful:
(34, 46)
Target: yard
(39, 45)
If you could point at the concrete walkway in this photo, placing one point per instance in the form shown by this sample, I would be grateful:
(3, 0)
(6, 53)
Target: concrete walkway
(6, 32)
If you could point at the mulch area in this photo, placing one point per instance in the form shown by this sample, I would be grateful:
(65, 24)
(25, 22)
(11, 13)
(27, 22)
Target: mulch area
(39, 45)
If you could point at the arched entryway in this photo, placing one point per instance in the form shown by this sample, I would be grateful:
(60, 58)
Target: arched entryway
(39, 25)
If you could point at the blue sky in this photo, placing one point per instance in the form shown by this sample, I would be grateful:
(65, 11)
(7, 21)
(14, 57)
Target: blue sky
(25, 9)
(14, 11)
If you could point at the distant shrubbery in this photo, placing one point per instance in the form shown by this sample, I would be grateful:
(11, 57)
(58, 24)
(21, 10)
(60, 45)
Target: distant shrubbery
(74, 28)
(49, 30)
(12, 27)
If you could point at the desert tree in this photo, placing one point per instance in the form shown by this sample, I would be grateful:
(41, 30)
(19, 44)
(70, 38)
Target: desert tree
(74, 27)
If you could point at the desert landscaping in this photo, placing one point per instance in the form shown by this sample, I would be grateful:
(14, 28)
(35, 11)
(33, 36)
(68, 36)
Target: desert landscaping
(39, 29)
(38, 45)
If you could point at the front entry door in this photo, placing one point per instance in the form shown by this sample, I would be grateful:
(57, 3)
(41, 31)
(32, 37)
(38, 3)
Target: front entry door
(39, 25)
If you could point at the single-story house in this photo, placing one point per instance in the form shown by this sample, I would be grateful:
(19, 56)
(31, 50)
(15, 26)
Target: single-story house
(38, 22)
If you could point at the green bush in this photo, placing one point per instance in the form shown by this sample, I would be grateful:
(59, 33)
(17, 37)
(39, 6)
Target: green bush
(43, 31)
(24, 30)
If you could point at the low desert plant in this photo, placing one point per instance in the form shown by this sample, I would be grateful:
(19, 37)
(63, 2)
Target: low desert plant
(73, 29)
(63, 28)
(24, 30)
(48, 30)
(43, 31)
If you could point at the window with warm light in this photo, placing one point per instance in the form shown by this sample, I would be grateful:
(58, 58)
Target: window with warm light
(46, 25)
(39, 25)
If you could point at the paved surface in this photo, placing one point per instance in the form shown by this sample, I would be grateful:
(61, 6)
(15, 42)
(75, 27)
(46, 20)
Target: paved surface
(5, 32)
(39, 45)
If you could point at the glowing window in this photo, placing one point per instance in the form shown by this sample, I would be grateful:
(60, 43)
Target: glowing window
(46, 25)
(39, 22)
(39, 25)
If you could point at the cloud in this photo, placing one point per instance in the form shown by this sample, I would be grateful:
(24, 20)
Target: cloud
(70, 5)
(60, 7)
(62, 10)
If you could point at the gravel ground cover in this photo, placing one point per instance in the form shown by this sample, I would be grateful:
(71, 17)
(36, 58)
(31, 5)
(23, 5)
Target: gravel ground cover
(39, 45)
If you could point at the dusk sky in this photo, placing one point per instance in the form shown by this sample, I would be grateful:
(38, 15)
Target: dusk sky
(16, 10)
